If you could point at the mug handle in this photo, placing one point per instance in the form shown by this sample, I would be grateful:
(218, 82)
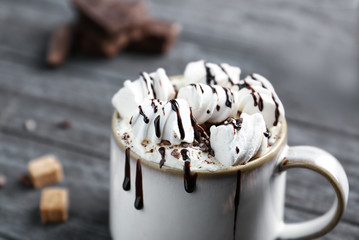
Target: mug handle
(328, 166)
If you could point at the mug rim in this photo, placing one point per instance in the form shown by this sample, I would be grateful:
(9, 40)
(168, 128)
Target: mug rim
(256, 163)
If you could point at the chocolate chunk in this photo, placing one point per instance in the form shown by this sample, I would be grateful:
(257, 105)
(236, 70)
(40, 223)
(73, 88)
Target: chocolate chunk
(2, 181)
(157, 37)
(165, 142)
(175, 153)
(111, 16)
(26, 180)
(60, 45)
(64, 124)
(95, 43)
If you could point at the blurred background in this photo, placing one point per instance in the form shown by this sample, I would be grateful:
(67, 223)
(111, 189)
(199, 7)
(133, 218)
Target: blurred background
(306, 48)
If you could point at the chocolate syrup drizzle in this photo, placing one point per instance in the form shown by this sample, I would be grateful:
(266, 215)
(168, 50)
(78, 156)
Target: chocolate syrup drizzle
(153, 88)
(151, 83)
(198, 130)
(260, 102)
(145, 118)
(193, 120)
(156, 122)
(189, 179)
(200, 86)
(210, 78)
(174, 105)
(254, 78)
(236, 202)
(154, 106)
(142, 74)
(267, 134)
(162, 151)
(236, 123)
(127, 180)
(228, 102)
(276, 111)
(229, 78)
(213, 89)
(139, 187)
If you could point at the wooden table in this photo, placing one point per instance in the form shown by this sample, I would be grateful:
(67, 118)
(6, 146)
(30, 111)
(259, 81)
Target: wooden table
(306, 48)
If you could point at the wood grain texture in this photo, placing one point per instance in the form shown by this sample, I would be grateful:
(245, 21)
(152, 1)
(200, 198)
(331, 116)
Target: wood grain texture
(306, 48)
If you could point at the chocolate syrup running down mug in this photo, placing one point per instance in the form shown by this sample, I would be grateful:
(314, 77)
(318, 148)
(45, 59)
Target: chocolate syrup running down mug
(245, 202)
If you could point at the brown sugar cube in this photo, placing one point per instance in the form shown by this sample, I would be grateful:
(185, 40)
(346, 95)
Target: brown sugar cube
(45, 170)
(54, 205)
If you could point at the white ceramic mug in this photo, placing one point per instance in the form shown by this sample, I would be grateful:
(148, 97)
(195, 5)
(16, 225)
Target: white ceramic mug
(244, 202)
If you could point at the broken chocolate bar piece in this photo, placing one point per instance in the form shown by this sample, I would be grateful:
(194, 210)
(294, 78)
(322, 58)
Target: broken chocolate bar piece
(157, 37)
(54, 205)
(45, 170)
(59, 46)
(111, 16)
(92, 42)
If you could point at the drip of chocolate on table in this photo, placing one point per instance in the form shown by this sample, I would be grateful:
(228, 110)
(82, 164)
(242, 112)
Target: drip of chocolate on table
(189, 179)
(127, 180)
(139, 187)
(236, 202)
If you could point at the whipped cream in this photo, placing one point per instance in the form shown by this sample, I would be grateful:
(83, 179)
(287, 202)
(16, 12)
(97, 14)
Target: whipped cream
(165, 154)
(211, 73)
(156, 120)
(209, 103)
(217, 118)
(254, 94)
(155, 85)
(239, 140)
